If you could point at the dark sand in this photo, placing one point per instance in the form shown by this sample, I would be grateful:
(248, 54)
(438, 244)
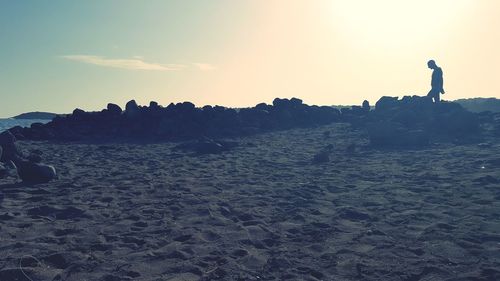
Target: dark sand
(262, 211)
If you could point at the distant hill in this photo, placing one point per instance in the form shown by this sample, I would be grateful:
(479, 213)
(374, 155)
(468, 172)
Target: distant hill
(480, 104)
(36, 115)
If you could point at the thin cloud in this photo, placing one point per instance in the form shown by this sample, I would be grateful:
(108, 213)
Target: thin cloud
(135, 63)
(205, 66)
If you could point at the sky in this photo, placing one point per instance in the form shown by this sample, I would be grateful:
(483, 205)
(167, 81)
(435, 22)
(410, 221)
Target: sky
(59, 55)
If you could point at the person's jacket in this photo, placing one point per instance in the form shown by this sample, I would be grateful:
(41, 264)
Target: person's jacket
(437, 80)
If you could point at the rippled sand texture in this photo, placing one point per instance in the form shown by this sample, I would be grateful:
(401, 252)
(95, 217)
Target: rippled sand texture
(262, 211)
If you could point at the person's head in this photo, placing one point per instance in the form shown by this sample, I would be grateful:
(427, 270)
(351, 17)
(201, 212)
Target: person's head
(431, 64)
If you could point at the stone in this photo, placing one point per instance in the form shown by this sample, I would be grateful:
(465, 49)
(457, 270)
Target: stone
(78, 113)
(35, 172)
(7, 138)
(385, 103)
(114, 109)
(3, 170)
(366, 105)
(295, 102)
(131, 106)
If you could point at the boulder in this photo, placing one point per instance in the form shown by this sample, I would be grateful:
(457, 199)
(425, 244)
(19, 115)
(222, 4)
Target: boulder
(7, 138)
(366, 105)
(3, 170)
(153, 105)
(263, 106)
(385, 103)
(295, 102)
(114, 109)
(131, 106)
(10, 151)
(78, 113)
(35, 172)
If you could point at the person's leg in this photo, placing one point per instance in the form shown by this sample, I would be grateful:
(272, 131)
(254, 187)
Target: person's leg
(430, 95)
(434, 95)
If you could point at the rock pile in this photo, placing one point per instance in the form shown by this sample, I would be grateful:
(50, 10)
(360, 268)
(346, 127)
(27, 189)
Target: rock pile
(179, 121)
(410, 121)
(415, 121)
(28, 167)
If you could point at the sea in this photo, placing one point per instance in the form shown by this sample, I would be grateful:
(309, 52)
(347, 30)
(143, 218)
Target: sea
(8, 123)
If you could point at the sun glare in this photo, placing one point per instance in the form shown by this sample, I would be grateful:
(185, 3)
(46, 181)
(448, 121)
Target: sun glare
(405, 23)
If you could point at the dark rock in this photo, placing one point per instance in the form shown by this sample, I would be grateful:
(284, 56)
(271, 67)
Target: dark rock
(35, 172)
(131, 106)
(10, 151)
(153, 105)
(295, 102)
(3, 170)
(366, 105)
(78, 113)
(385, 103)
(263, 106)
(114, 109)
(7, 138)
(17, 132)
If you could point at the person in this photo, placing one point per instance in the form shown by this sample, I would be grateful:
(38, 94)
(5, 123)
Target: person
(436, 82)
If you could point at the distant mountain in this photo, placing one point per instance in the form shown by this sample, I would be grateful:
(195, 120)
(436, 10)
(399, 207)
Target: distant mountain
(480, 104)
(36, 115)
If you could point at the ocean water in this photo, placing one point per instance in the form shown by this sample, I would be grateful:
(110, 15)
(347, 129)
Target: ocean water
(9, 123)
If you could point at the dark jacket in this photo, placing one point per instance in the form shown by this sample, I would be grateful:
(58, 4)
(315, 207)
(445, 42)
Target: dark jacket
(437, 80)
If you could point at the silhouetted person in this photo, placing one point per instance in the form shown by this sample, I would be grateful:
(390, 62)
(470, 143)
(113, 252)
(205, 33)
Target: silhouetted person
(437, 81)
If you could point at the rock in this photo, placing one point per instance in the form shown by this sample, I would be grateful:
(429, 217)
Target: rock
(263, 106)
(7, 138)
(366, 105)
(3, 171)
(277, 102)
(78, 113)
(114, 109)
(35, 172)
(131, 106)
(153, 104)
(10, 151)
(295, 102)
(385, 103)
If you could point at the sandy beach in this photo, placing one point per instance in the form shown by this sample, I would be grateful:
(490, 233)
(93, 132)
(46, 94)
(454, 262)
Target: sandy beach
(261, 211)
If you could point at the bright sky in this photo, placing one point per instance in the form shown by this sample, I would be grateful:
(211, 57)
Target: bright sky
(58, 55)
